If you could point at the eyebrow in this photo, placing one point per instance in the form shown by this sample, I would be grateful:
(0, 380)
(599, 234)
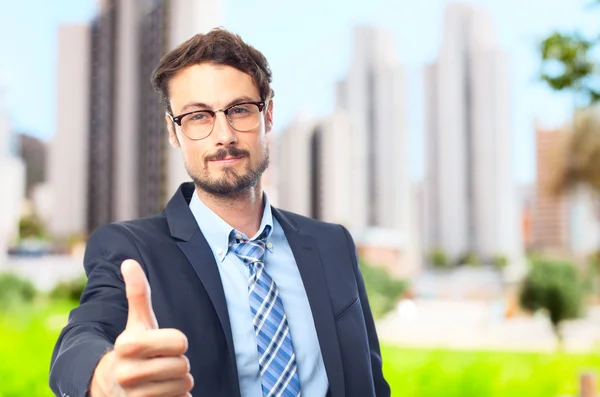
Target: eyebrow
(188, 107)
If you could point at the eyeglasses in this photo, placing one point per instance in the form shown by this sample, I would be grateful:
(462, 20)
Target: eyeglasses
(199, 124)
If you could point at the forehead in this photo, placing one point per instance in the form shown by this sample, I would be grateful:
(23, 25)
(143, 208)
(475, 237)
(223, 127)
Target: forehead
(214, 85)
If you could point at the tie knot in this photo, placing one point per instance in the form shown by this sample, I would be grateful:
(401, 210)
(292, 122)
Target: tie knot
(249, 251)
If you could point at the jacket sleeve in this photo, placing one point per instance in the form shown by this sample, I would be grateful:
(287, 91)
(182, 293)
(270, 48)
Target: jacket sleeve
(101, 316)
(382, 388)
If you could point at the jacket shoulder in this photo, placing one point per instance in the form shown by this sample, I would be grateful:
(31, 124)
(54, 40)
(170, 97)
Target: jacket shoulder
(149, 225)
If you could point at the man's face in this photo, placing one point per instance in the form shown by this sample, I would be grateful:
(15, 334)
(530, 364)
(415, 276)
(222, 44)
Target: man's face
(227, 162)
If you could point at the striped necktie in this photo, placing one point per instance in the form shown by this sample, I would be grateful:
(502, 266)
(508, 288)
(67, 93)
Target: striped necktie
(277, 361)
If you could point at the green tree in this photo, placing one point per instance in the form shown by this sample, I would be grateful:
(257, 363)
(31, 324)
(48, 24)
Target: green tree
(555, 287)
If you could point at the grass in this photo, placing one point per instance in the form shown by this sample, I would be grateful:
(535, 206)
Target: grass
(437, 373)
(27, 340)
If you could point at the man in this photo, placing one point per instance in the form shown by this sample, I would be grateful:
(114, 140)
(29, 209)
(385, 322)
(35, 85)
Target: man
(250, 300)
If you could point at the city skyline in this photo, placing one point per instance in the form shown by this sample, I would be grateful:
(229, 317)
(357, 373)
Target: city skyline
(517, 31)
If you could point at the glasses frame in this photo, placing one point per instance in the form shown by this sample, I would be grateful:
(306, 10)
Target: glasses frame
(177, 119)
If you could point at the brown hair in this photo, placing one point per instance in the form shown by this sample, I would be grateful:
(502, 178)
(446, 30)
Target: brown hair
(218, 46)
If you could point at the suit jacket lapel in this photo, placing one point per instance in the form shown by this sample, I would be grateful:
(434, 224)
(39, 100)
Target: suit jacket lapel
(311, 270)
(183, 226)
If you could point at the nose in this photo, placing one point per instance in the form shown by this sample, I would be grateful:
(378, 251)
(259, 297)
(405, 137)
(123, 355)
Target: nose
(223, 133)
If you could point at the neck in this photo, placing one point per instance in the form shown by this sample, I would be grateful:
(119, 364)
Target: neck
(243, 212)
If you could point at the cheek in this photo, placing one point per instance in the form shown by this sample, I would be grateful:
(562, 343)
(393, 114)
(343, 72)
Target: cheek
(193, 153)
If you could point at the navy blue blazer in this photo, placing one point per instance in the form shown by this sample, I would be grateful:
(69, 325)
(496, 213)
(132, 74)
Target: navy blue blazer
(187, 294)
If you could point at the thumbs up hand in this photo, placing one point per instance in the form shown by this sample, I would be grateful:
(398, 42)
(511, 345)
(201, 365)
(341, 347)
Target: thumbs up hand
(146, 360)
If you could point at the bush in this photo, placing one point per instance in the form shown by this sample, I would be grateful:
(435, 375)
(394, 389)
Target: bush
(69, 290)
(383, 289)
(438, 259)
(31, 227)
(468, 259)
(15, 291)
(557, 288)
(500, 261)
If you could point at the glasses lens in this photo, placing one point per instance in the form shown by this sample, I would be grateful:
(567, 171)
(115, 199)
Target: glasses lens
(244, 117)
(197, 125)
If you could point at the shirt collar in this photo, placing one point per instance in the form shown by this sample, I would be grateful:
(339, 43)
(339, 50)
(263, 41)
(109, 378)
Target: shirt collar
(218, 232)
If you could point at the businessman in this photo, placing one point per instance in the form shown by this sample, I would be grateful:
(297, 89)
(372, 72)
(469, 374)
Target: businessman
(221, 294)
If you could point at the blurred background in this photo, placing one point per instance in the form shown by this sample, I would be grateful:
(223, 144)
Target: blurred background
(459, 142)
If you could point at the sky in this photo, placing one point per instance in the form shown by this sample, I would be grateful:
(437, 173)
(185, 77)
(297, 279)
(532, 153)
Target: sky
(308, 45)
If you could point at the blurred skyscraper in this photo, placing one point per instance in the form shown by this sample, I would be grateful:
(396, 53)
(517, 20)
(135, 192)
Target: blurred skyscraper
(549, 210)
(471, 195)
(373, 96)
(70, 160)
(351, 167)
(33, 151)
(562, 222)
(315, 169)
(140, 171)
(12, 188)
(131, 171)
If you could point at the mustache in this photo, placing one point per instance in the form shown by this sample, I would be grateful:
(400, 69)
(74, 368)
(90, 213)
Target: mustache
(222, 154)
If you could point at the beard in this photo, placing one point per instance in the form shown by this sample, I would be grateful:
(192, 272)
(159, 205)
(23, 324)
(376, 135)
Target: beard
(233, 182)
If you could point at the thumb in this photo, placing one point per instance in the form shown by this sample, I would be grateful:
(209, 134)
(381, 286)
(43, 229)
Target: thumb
(140, 315)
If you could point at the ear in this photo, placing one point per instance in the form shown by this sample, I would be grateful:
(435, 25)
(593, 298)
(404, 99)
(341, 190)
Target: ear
(171, 126)
(269, 116)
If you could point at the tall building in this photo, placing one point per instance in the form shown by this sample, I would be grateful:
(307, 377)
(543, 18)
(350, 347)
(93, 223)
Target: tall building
(295, 166)
(133, 171)
(562, 222)
(101, 143)
(470, 193)
(12, 188)
(69, 156)
(315, 170)
(186, 18)
(152, 143)
(373, 97)
(549, 226)
(33, 152)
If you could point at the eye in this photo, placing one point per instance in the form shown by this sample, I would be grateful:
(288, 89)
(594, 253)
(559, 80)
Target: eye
(240, 110)
(198, 116)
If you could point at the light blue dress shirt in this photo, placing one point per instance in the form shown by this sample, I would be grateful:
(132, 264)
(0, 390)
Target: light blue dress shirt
(281, 266)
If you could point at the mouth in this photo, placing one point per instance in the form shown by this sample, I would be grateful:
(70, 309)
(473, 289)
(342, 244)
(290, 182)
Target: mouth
(227, 160)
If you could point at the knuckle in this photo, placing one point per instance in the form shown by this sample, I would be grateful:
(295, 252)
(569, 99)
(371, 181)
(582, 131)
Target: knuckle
(184, 363)
(177, 340)
(182, 341)
(127, 374)
(139, 393)
(189, 382)
(122, 375)
(127, 344)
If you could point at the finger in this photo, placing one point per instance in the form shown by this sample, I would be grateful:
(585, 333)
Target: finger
(169, 388)
(166, 342)
(140, 314)
(133, 373)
